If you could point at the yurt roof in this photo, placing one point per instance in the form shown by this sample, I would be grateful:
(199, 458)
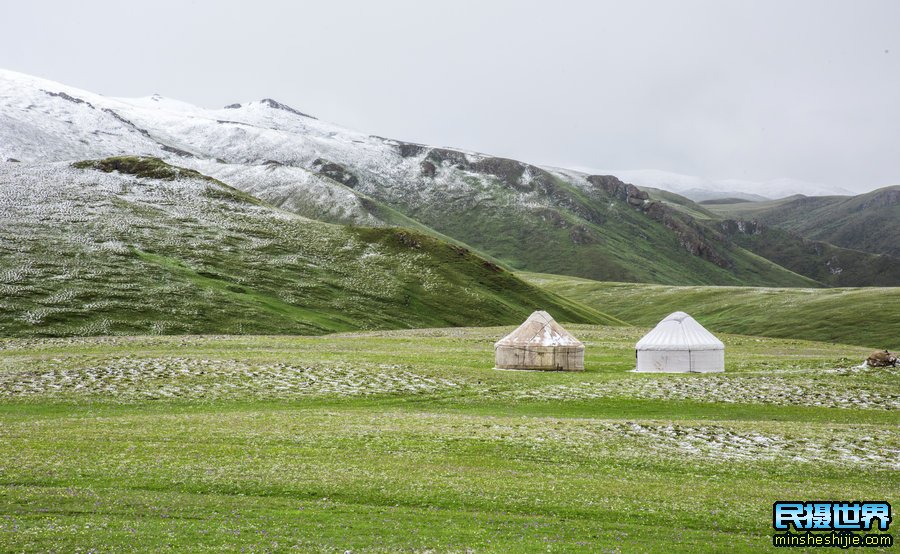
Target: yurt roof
(679, 331)
(540, 329)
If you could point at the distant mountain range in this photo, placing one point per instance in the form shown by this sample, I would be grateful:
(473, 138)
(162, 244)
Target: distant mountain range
(869, 222)
(699, 189)
(286, 166)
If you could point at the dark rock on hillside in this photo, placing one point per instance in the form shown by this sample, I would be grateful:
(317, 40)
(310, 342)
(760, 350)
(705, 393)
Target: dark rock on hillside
(232, 106)
(734, 226)
(694, 237)
(428, 168)
(509, 172)
(176, 151)
(409, 150)
(70, 98)
(523, 178)
(284, 107)
(616, 188)
(336, 172)
(440, 156)
(127, 122)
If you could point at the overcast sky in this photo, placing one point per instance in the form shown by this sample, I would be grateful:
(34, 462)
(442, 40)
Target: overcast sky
(755, 90)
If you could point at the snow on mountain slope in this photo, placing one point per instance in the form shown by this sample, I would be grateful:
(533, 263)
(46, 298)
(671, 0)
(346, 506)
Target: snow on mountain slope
(46, 121)
(531, 218)
(262, 140)
(292, 188)
(135, 246)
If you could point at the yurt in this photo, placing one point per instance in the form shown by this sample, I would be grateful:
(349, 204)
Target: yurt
(539, 343)
(680, 344)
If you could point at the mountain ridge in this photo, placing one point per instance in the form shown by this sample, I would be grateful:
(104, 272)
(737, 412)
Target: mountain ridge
(867, 222)
(519, 214)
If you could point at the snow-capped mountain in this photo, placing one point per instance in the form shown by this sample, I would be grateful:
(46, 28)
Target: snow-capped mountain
(533, 218)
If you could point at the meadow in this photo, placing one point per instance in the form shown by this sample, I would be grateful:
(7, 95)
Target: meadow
(855, 315)
(410, 441)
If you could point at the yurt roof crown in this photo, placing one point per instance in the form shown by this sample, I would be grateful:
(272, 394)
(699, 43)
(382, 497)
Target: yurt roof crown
(679, 331)
(540, 329)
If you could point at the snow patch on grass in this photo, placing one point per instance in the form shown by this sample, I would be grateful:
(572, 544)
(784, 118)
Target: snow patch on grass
(130, 379)
(755, 389)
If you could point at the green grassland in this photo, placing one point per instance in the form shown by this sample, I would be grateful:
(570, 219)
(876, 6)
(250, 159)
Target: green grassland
(135, 246)
(408, 441)
(584, 232)
(864, 316)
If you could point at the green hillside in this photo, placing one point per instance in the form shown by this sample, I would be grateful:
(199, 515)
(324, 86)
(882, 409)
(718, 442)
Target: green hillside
(827, 264)
(869, 222)
(820, 261)
(133, 245)
(860, 316)
(590, 226)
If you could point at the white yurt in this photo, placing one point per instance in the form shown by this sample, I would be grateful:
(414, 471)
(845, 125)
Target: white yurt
(679, 344)
(539, 343)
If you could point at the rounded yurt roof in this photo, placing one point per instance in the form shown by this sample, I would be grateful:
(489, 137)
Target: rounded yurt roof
(540, 329)
(679, 331)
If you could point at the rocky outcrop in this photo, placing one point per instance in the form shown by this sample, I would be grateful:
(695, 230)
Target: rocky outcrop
(284, 107)
(445, 156)
(623, 191)
(69, 98)
(694, 237)
(335, 172)
(427, 169)
(734, 226)
(409, 150)
(126, 122)
(176, 151)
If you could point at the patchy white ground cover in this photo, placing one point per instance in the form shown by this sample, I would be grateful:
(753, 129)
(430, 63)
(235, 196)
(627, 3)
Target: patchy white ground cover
(771, 388)
(128, 379)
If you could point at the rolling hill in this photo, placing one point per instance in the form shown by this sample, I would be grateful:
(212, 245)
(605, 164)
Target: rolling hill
(523, 216)
(868, 222)
(823, 262)
(135, 245)
(858, 316)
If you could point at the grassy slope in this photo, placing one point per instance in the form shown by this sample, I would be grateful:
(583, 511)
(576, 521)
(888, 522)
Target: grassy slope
(751, 210)
(587, 234)
(864, 316)
(822, 262)
(114, 254)
(869, 222)
(686, 205)
(826, 263)
(407, 441)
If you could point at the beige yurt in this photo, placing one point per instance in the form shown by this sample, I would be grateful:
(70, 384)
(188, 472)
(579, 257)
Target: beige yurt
(678, 344)
(539, 343)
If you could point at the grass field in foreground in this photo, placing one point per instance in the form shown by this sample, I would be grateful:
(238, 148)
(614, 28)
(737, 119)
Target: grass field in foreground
(866, 316)
(407, 440)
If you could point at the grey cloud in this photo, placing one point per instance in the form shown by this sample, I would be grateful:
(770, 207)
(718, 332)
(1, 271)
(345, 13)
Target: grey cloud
(750, 90)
